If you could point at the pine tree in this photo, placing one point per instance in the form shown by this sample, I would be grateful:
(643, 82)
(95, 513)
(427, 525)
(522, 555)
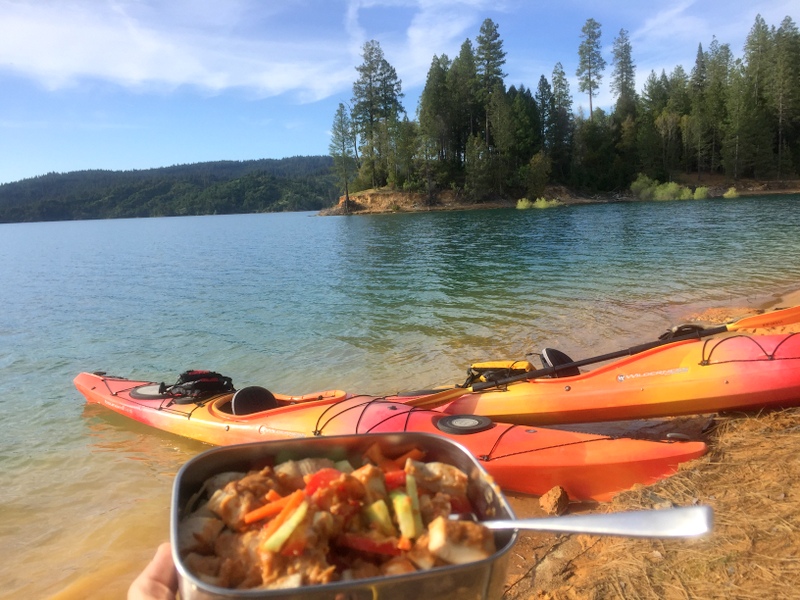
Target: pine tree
(760, 129)
(784, 92)
(376, 100)
(561, 124)
(462, 84)
(342, 149)
(434, 107)
(590, 61)
(489, 60)
(623, 77)
(718, 65)
(544, 102)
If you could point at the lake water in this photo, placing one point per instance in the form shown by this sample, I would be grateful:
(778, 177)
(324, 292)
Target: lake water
(298, 303)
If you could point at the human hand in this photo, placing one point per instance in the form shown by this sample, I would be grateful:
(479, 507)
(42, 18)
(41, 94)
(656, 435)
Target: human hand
(159, 580)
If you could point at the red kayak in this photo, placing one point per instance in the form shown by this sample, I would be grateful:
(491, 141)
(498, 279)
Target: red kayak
(522, 459)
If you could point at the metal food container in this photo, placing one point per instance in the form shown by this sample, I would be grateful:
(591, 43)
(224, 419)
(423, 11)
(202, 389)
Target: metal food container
(482, 579)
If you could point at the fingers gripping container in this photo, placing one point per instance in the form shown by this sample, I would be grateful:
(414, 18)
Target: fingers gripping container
(483, 579)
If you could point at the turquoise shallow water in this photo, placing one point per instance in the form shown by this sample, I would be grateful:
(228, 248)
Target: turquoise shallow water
(298, 303)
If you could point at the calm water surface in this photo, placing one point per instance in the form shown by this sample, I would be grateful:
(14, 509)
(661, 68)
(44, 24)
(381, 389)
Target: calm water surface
(298, 303)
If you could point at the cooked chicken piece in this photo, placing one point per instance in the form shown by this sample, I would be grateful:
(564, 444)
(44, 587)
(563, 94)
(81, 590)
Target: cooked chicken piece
(459, 542)
(291, 473)
(434, 506)
(198, 534)
(220, 480)
(238, 552)
(420, 555)
(237, 498)
(204, 567)
(361, 569)
(309, 568)
(438, 477)
(372, 479)
(398, 565)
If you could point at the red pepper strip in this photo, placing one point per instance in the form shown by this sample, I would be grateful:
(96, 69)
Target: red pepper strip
(460, 504)
(364, 543)
(294, 545)
(394, 479)
(320, 479)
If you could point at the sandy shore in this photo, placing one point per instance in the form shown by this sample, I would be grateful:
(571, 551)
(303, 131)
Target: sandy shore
(750, 477)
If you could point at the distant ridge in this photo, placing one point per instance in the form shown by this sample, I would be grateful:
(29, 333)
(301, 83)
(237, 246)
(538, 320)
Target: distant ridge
(220, 187)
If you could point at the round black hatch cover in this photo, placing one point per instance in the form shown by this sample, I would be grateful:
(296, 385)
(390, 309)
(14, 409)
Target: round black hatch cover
(459, 424)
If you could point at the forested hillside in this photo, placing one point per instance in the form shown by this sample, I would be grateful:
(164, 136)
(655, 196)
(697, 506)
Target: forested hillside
(224, 187)
(729, 114)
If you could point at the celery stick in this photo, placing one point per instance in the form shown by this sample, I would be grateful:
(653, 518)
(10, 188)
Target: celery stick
(276, 541)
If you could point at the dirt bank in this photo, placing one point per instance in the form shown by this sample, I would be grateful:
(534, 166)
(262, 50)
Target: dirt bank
(393, 201)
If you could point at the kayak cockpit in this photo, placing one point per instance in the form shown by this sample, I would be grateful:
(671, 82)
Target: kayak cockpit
(255, 399)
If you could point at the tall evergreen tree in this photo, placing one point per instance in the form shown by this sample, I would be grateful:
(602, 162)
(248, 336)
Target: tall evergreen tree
(435, 105)
(590, 61)
(561, 124)
(489, 60)
(462, 83)
(760, 128)
(342, 149)
(544, 102)
(695, 124)
(623, 77)
(783, 94)
(376, 101)
(652, 102)
(718, 65)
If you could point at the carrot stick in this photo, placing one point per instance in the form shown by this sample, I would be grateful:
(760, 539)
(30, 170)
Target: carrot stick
(376, 456)
(290, 503)
(272, 495)
(413, 454)
(268, 510)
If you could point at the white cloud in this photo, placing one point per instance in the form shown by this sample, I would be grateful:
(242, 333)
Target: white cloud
(141, 45)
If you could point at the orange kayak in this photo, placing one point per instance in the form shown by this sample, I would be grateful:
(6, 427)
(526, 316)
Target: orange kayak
(520, 459)
(734, 373)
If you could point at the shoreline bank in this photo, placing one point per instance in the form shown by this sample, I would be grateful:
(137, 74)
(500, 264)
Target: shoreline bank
(386, 201)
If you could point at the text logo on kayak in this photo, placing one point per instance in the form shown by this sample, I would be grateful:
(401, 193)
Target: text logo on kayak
(662, 372)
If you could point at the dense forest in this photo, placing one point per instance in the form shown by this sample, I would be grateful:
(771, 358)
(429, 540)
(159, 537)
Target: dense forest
(736, 117)
(224, 187)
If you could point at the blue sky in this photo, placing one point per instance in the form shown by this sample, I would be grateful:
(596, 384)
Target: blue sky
(136, 84)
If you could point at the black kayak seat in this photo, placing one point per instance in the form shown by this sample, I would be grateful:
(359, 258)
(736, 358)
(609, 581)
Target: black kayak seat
(552, 358)
(252, 399)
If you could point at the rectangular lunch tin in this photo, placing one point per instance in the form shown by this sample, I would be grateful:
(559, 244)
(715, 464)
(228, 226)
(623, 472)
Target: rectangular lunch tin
(477, 580)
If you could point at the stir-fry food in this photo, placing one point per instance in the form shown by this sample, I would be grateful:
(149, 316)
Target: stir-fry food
(314, 521)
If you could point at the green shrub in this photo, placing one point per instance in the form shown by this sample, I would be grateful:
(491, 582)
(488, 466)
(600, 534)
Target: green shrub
(643, 187)
(701, 193)
(731, 193)
(524, 203)
(668, 191)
